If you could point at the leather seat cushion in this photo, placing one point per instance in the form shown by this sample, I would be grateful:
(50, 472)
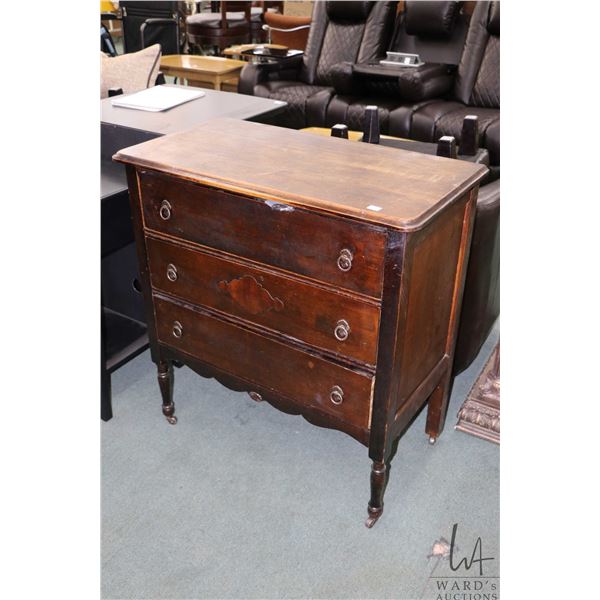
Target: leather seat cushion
(401, 118)
(296, 94)
(350, 111)
(213, 20)
(446, 118)
(451, 123)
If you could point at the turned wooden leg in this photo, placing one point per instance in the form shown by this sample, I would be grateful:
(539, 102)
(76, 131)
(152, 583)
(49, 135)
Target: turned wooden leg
(165, 381)
(437, 409)
(375, 507)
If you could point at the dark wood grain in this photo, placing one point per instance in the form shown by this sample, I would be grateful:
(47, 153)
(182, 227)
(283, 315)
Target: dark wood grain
(140, 245)
(307, 378)
(295, 308)
(281, 236)
(378, 481)
(255, 266)
(438, 403)
(389, 346)
(433, 257)
(165, 382)
(311, 171)
(236, 383)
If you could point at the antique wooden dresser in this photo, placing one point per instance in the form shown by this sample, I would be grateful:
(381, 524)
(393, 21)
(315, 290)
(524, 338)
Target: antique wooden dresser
(322, 276)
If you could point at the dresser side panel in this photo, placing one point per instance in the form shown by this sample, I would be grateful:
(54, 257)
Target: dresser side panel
(434, 255)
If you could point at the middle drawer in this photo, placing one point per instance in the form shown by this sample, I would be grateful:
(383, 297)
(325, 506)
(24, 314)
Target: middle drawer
(314, 315)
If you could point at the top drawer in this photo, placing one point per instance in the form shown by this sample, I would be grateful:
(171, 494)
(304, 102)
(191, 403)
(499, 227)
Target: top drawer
(338, 251)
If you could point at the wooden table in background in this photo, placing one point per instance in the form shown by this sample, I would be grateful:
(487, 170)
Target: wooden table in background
(236, 51)
(202, 71)
(353, 136)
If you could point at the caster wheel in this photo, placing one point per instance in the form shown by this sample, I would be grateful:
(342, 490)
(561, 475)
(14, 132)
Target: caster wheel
(373, 517)
(432, 441)
(172, 420)
(370, 522)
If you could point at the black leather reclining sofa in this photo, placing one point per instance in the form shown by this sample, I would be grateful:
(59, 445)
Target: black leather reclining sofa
(333, 82)
(341, 34)
(339, 76)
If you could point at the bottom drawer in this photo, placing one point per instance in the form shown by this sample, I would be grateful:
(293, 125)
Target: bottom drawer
(301, 377)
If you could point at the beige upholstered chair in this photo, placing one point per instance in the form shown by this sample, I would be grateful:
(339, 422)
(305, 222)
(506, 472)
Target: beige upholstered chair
(130, 72)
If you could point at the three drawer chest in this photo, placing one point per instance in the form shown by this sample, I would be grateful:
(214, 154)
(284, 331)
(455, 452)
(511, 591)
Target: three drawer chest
(322, 276)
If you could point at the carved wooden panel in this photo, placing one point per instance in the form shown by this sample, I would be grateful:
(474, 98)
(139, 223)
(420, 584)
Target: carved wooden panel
(251, 295)
(310, 314)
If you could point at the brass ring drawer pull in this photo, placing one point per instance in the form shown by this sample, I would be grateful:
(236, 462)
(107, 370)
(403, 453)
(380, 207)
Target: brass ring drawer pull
(337, 394)
(177, 329)
(344, 261)
(171, 272)
(342, 330)
(165, 210)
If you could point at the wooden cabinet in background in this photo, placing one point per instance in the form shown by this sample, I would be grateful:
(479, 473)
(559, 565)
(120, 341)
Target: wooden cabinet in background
(321, 276)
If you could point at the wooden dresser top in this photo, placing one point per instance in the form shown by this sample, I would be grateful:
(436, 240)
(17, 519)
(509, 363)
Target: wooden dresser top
(372, 183)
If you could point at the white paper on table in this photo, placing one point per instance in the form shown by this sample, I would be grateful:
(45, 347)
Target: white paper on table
(157, 98)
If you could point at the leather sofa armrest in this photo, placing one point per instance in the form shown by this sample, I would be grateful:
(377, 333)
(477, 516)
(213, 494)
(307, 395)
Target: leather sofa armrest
(411, 84)
(342, 78)
(427, 81)
(489, 196)
(481, 297)
(254, 73)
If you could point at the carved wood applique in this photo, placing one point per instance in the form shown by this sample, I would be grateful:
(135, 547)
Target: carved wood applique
(250, 295)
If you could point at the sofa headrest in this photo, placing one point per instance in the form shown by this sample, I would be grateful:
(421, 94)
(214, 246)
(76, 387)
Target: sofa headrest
(349, 12)
(430, 19)
(493, 25)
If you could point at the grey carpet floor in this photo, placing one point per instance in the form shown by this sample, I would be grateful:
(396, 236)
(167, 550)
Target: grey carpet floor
(239, 500)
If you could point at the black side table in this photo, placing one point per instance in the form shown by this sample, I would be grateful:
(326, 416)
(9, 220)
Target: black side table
(123, 328)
